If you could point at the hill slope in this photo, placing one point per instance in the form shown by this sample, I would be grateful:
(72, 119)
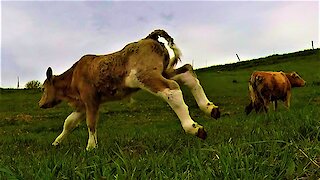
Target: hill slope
(273, 59)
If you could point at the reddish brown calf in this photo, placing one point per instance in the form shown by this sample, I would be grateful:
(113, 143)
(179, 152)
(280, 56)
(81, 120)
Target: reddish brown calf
(265, 87)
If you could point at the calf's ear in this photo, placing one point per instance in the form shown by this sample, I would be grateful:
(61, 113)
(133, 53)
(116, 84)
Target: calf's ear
(49, 74)
(294, 74)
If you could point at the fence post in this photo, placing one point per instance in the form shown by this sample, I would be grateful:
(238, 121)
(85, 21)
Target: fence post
(18, 85)
(238, 57)
(312, 45)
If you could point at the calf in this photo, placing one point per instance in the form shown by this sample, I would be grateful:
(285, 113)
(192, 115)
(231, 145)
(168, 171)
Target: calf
(265, 87)
(145, 64)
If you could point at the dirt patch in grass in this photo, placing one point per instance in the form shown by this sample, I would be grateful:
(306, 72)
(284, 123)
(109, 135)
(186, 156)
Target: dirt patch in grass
(316, 100)
(20, 117)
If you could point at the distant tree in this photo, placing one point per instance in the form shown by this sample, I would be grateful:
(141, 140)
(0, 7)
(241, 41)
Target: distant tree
(34, 84)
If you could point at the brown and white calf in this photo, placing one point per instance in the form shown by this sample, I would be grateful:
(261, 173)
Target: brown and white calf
(145, 64)
(265, 87)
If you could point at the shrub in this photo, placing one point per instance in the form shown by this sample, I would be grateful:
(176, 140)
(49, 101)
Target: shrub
(34, 84)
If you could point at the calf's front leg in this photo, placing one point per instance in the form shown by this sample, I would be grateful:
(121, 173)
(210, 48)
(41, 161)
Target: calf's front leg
(69, 124)
(92, 118)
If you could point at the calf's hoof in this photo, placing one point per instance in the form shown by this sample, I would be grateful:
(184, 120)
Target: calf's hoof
(215, 113)
(91, 147)
(201, 133)
(55, 143)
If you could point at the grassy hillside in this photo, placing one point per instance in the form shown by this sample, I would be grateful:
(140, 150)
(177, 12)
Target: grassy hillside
(145, 140)
(270, 60)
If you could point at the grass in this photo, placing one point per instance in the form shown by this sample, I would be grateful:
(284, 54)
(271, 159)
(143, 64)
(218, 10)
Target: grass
(146, 141)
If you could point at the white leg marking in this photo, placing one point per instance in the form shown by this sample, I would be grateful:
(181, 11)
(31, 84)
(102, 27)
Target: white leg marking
(197, 91)
(176, 102)
(70, 123)
(92, 141)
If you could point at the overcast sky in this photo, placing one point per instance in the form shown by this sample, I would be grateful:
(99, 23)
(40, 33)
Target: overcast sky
(39, 34)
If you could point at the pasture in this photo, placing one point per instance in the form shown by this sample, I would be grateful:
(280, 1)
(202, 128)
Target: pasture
(144, 139)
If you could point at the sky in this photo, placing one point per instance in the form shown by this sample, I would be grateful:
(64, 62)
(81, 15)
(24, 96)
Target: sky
(39, 34)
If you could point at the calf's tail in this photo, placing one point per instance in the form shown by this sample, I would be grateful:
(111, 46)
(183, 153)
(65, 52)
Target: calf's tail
(161, 33)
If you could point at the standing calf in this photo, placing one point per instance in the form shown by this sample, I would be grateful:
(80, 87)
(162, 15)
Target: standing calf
(145, 64)
(265, 87)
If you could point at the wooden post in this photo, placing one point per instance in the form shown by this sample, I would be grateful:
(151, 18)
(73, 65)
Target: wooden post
(18, 83)
(238, 57)
(312, 45)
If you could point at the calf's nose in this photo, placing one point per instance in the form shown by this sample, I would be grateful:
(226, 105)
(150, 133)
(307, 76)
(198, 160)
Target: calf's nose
(42, 105)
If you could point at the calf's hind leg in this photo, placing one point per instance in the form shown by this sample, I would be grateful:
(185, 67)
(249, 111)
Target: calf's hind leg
(69, 124)
(187, 77)
(287, 100)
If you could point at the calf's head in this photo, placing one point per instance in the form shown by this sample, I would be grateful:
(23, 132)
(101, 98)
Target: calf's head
(295, 79)
(49, 97)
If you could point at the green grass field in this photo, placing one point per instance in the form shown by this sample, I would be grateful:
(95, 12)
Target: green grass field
(145, 140)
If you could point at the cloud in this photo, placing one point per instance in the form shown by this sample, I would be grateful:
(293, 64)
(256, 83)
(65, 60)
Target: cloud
(277, 28)
(293, 25)
(46, 35)
(36, 34)
(167, 17)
